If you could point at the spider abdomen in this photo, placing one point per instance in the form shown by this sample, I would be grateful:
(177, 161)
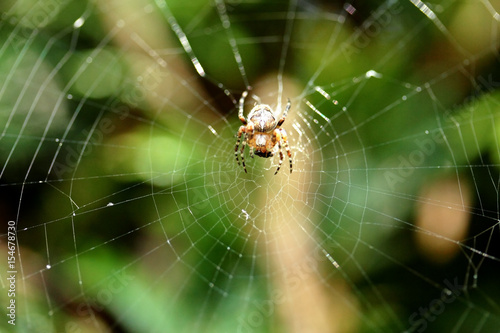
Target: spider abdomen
(261, 140)
(262, 132)
(263, 119)
(263, 144)
(266, 154)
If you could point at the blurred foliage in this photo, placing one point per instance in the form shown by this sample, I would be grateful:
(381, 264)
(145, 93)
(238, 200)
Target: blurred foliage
(107, 179)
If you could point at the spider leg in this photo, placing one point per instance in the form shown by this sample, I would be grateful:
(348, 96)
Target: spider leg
(281, 158)
(249, 130)
(285, 142)
(277, 138)
(241, 107)
(241, 132)
(283, 117)
(242, 154)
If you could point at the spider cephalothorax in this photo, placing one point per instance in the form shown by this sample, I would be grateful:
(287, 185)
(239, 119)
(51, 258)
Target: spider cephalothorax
(261, 131)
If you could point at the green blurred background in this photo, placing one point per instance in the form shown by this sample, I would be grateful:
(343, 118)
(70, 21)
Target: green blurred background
(129, 207)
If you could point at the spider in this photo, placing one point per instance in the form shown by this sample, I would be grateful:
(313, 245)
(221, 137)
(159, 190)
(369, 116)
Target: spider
(261, 131)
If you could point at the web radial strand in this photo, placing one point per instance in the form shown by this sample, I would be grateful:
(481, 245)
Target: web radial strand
(121, 190)
(226, 24)
(181, 36)
(433, 17)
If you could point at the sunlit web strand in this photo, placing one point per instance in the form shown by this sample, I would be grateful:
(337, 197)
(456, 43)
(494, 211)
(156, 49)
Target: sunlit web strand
(290, 18)
(433, 17)
(226, 24)
(492, 10)
(181, 36)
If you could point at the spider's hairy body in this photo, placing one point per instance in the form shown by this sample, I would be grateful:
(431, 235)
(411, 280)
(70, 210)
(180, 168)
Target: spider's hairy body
(261, 132)
(263, 119)
(264, 124)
